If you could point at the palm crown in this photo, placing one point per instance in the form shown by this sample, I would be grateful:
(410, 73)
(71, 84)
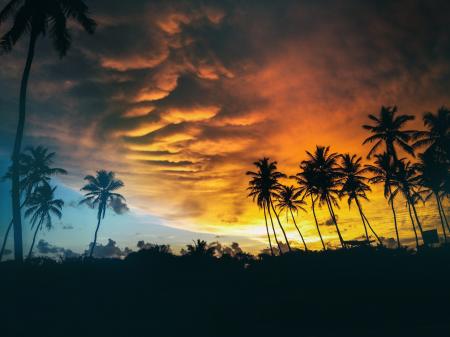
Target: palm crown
(288, 199)
(42, 205)
(353, 183)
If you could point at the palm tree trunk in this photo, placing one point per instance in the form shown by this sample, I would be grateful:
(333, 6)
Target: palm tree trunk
(267, 229)
(418, 222)
(330, 209)
(443, 214)
(317, 223)
(15, 192)
(391, 202)
(370, 227)
(5, 239)
(362, 218)
(274, 232)
(440, 216)
(298, 229)
(414, 226)
(34, 239)
(95, 236)
(282, 229)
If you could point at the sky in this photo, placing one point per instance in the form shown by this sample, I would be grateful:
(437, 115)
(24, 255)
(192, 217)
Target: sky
(179, 98)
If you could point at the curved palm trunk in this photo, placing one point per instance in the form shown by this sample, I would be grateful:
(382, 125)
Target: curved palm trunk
(34, 239)
(443, 214)
(418, 221)
(333, 217)
(372, 230)
(391, 202)
(282, 229)
(95, 236)
(362, 219)
(15, 192)
(267, 229)
(440, 215)
(274, 232)
(414, 226)
(5, 239)
(298, 229)
(317, 223)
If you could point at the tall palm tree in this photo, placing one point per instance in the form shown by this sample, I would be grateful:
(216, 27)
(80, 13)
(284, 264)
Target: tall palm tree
(100, 193)
(383, 172)
(387, 129)
(309, 187)
(405, 181)
(263, 187)
(324, 164)
(288, 200)
(36, 18)
(35, 170)
(353, 185)
(432, 174)
(40, 207)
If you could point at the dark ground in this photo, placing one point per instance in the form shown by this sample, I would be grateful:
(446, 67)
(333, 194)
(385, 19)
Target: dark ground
(358, 292)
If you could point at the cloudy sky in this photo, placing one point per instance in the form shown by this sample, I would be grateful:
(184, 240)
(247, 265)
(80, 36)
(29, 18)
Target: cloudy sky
(180, 97)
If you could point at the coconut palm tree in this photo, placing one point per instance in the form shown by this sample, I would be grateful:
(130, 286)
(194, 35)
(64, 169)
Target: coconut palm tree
(383, 172)
(36, 18)
(263, 187)
(100, 193)
(200, 248)
(387, 129)
(324, 164)
(309, 188)
(405, 181)
(432, 174)
(40, 207)
(35, 170)
(288, 200)
(353, 185)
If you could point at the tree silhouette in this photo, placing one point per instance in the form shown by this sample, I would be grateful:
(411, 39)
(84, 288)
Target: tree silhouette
(263, 187)
(383, 172)
(353, 185)
(35, 170)
(387, 129)
(36, 18)
(288, 200)
(100, 193)
(200, 248)
(308, 187)
(324, 164)
(40, 207)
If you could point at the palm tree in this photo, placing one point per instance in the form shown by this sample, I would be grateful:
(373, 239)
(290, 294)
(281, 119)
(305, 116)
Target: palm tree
(432, 174)
(263, 187)
(324, 164)
(309, 187)
(288, 200)
(354, 186)
(41, 206)
(383, 172)
(36, 18)
(405, 181)
(388, 129)
(200, 248)
(35, 170)
(100, 193)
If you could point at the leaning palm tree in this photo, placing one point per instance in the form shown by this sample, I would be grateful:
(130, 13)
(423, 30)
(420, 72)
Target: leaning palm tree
(36, 170)
(263, 187)
(100, 193)
(324, 164)
(40, 207)
(288, 201)
(36, 18)
(353, 185)
(387, 129)
(432, 174)
(308, 187)
(383, 172)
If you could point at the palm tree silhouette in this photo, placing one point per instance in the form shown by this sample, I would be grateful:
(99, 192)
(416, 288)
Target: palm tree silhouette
(288, 200)
(324, 166)
(100, 193)
(200, 248)
(309, 187)
(36, 18)
(353, 185)
(383, 172)
(432, 174)
(263, 187)
(405, 181)
(387, 129)
(35, 170)
(40, 207)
